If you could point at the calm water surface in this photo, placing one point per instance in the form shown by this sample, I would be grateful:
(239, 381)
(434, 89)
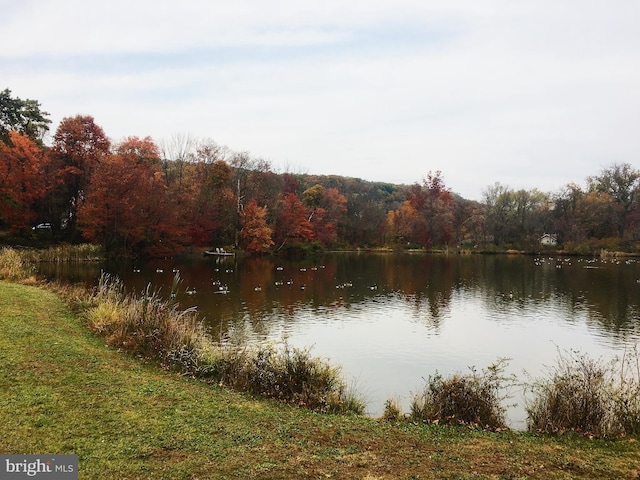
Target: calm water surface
(390, 321)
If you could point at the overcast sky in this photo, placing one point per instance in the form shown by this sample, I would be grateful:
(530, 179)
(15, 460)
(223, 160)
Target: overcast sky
(531, 94)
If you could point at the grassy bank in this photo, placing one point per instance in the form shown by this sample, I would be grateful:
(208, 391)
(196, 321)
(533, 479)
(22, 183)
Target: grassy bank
(63, 391)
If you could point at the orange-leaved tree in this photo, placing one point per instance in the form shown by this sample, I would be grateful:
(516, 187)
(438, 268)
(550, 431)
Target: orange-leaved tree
(255, 234)
(21, 181)
(401, 223)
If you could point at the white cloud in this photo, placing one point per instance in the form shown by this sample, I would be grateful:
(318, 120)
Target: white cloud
(531, 95)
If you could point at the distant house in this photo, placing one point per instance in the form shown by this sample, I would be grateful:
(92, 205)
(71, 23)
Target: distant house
(549, 240)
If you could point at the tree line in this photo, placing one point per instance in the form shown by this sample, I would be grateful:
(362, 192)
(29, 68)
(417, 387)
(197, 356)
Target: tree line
(139, 197)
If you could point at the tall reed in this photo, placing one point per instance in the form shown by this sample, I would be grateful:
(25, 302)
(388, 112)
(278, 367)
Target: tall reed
(20, 265)
(145, 325)
(64, 253)
(14, 266)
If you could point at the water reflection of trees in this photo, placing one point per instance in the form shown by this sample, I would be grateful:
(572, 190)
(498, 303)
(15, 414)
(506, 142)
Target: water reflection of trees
(264, 292)
(609, 293)
(268, 288)
(431, 283)
(605, 291)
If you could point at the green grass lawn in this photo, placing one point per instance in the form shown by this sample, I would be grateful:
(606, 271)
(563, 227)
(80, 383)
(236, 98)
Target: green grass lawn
(63, 391)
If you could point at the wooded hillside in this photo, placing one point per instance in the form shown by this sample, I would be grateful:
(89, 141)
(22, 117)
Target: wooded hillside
(140, 197)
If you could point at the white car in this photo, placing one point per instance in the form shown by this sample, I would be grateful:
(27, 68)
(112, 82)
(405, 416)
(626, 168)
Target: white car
(42, 226)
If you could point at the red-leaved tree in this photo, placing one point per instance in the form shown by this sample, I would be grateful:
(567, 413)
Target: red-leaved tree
(79, 145)
(126, 207)
(292, 225)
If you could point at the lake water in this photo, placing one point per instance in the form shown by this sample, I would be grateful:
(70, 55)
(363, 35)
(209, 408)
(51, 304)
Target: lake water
(390, 321)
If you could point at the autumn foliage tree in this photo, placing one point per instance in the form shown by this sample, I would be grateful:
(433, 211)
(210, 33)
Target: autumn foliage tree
(21, 181)
(434, 203)
(125, 206)
(622, 183)
(109, 214)
(255, 234)
(292, 225)
(400, 223)
(79, 145)
(426, 217)
(217, 205)
(325, 207)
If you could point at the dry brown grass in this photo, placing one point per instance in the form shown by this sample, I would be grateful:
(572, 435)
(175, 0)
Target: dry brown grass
(473, 399)
(588, 396)
(14, 267)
